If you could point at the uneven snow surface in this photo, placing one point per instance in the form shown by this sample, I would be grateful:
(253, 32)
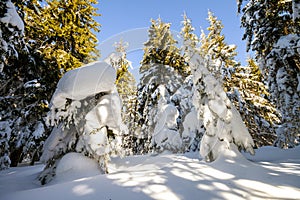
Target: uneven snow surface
(270, 174)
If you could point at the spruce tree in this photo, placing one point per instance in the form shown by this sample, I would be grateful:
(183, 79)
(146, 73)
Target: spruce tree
(31, 74)
(190, 39)
(217, 52)
(126, 87)
(64, 32)
(272, 31)
(191, 133)
(224, 128)
(248, 93)
(162, 65)
(160, 48)
(22, 103)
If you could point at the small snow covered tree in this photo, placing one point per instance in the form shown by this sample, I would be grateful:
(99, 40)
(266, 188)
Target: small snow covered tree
(272, 31)
(165, 134)
(86, 113)
(224, 126)
(126, 86)
(190, 127)
(125, 81)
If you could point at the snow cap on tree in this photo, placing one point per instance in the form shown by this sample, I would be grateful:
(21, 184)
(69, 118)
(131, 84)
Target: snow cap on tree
(86, 112)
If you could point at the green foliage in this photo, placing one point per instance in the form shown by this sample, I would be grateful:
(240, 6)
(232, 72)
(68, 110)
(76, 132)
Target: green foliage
(58, 36)
(215, 50)
(23, 97)
(160, 48)
(63, 31)
(272, 31)
(270, 20)
(251, 97)
(189, 39)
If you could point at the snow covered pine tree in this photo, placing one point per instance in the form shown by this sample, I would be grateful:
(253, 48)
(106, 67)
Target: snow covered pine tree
(11, 41)
(86, 112)
(225, 129)
(272, 29)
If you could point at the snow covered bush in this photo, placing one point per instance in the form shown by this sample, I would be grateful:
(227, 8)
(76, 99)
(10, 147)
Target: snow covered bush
(5, 134)
(166, 135)
(86, 113)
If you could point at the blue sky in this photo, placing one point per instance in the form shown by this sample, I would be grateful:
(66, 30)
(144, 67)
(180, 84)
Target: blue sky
(124, 16)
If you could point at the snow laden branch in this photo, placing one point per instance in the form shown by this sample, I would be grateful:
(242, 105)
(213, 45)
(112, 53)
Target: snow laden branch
(86, 115)
(223, 123)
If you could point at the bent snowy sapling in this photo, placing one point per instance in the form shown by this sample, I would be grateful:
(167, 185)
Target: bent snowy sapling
(86, 115)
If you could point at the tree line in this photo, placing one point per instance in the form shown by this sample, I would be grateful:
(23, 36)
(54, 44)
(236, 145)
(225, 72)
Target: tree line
(59, 35)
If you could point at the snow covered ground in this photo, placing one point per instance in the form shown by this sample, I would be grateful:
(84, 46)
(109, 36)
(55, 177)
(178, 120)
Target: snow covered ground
(271, 174)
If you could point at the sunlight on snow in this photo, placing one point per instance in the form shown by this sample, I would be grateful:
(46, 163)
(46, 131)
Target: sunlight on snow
(82, 190)
(217, 174)
(263, 190)
(289, 168)
(153, 184)
(160, 192)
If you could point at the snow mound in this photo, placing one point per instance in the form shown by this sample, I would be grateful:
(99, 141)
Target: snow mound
(85, 81)
(73, 166)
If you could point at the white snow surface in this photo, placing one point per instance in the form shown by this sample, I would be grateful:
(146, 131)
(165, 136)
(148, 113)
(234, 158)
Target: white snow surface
(271, 174)
(84, 81)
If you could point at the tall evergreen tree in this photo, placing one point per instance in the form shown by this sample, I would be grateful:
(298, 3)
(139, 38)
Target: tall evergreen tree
(22, 101)
(126, 86)
(191, 132)
(11, 48)
(63, 30)
(221, 56)
(248, 93)
(160, 48)
(272, 31)
(162, 65)
(190, 39)
(31, 76)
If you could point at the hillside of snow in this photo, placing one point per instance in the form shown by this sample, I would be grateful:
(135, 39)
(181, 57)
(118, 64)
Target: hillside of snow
(271, 174)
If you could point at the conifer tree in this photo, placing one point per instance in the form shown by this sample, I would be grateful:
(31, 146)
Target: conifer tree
(161, 65)
(35, 65)
(22, 103)
(191, 133)
(224, 128)
(272, 31)
(221, 56)
(64, 32)
(190, 39)
(126, 86)
(248, 93)
(160, 48)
